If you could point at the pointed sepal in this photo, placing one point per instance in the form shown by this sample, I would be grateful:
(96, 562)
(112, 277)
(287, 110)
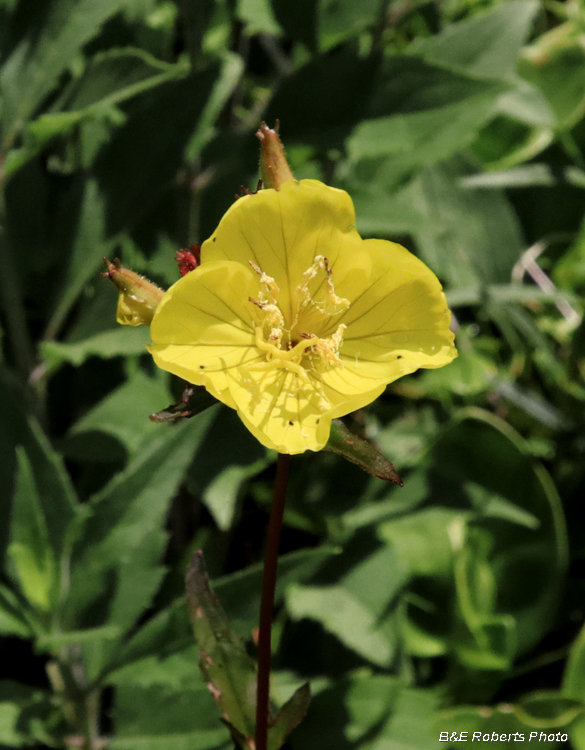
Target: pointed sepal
(194, 400)
(359, 451)
(138, 298)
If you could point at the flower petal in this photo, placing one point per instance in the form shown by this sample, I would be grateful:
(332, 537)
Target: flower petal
(283, 231)
(278, 410)
(204, 326)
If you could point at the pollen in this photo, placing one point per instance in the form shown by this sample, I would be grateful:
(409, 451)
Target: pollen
(301, 353)
(333, 304)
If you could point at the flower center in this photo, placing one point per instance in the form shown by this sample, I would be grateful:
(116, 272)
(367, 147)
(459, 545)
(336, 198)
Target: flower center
(290, 346)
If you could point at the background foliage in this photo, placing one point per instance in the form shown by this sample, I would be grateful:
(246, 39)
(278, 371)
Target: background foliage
(453, 604)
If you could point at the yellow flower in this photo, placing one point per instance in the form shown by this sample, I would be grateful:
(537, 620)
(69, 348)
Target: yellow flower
(293, 319)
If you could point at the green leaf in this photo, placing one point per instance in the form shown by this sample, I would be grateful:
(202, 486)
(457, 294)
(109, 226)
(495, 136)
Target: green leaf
(125, 340)
(447, 222)
(22, 708)
(257, 17)
(574, 686)
(90, 101)
(140, 162)
(185, 716)
(526, 176)
(88, 245)
(359, 451)
(342, 614)
(220, 481)
(58, 503)
(338, 20)
(13, 620)
(228, 78)
(421, 540)
(34, 66)
(486, 45)
(434, 129)
(407, 722)
(555, 65)
(116, 568)
(548, 709)
(356, 607)
(123, 414)
(169, 630)
(370, 700)
(528, 564)
(482, 639)
(30, 549)
(115, 75)
(288, 717)
(224, 662)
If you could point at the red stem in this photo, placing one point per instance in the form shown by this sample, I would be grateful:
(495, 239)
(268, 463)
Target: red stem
(267, 604)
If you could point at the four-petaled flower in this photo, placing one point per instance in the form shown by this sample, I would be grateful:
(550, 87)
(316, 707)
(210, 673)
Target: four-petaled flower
(293, 319)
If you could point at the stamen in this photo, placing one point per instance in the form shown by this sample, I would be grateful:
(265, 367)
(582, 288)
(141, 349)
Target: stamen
(268, 281)
(340, 304)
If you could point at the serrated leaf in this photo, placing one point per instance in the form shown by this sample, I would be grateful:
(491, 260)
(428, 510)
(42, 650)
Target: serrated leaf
(227, 669)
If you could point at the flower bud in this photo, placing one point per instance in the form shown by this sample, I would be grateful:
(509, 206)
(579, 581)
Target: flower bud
(189, 259)
(274, 168)
(138, 298)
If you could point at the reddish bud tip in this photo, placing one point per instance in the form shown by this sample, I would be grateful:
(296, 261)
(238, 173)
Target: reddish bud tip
(188, 260)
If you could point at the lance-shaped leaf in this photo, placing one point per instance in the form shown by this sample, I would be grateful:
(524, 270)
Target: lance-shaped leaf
(30, 549)
(228, 670)
(359, 451)
(289, 716)
(194, 400)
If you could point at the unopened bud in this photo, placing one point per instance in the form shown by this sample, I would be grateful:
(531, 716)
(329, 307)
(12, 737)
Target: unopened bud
(188, 260)
(138, 297)
(274, 168)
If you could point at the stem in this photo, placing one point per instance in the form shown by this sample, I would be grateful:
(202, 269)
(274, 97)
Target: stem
(267, 604)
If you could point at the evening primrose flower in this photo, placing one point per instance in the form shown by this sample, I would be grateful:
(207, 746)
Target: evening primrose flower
(293, 319)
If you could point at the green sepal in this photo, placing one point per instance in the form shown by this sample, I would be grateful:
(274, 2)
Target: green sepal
(359, 451)
(194, 400)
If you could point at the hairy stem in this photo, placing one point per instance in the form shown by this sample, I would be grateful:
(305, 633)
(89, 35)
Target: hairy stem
(267, 604)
